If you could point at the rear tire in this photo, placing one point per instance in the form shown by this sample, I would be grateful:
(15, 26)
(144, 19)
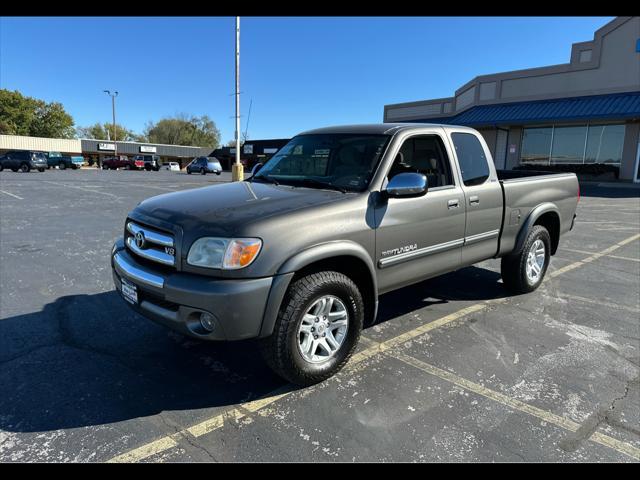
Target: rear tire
(62, 166)
(283, 350)
(524, 272)
(188, 171)
(1, 167)
(41, 170)
(203, 171)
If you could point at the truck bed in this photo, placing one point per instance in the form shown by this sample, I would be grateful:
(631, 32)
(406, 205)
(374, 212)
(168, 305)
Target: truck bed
(525, 190)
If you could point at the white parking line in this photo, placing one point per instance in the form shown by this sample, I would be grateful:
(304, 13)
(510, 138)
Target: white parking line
(83, 189)
(12, 195)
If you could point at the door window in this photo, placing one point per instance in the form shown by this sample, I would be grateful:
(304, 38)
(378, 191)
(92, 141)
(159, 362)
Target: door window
(424, 154)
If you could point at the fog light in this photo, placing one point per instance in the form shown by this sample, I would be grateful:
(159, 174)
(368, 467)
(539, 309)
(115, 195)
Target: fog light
(207, 322)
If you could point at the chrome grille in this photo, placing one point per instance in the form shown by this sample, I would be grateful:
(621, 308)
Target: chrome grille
(150, 244)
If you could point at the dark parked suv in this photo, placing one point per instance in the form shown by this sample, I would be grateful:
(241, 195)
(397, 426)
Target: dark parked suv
(23, 160)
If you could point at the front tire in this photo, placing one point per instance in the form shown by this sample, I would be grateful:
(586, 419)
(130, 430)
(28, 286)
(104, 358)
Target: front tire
(203, 171)
(524, 272)
(317, 328)
(25, 168)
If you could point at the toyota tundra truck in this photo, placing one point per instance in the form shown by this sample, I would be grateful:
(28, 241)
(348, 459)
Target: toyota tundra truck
(297, 255)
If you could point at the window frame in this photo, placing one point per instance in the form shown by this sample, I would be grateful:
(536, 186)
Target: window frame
(447, 160)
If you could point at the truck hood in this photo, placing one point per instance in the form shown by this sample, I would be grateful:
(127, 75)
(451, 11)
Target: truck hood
(222, 210)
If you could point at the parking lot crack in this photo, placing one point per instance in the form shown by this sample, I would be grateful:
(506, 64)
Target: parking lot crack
(190, 439)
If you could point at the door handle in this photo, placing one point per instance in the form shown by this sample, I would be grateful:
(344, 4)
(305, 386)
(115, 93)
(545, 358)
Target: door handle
(455, 203)
(474, 199)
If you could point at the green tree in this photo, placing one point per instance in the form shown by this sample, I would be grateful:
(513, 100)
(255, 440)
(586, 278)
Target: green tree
(21, 115)
(184, 130)
(105, 131)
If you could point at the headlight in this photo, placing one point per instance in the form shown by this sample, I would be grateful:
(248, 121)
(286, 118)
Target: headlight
(225, 253)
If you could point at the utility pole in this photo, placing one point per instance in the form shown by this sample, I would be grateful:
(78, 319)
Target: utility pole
(113, 112)
(237, 171)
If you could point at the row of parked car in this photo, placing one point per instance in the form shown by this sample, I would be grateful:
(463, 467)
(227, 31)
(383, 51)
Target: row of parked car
(27, 160)
(138, 162)
(202, 165)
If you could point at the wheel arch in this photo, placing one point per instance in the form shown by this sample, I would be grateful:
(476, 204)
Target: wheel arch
(546, 215)
(348, 258)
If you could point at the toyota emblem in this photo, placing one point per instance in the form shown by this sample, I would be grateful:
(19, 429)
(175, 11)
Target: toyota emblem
(140, 240)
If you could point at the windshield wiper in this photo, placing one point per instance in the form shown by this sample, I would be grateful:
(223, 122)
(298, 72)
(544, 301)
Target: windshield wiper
(313, 181)
(265, 178)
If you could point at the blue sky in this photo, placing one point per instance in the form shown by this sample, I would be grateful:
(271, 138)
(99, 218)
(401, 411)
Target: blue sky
(300, 73)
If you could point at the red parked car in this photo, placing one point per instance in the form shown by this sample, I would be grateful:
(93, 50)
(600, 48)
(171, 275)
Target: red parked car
(122, 161)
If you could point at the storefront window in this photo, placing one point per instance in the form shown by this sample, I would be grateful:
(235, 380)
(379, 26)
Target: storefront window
(536, 145)
(604, 144)
(572, 145)
(568, 144)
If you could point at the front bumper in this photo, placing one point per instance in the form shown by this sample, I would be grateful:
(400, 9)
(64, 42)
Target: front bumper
(176, 300)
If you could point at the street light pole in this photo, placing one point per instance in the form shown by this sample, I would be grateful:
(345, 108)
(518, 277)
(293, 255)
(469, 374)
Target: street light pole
(237, 171)
(113, 112)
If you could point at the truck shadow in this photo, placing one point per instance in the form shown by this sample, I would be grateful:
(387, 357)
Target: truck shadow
(88, 360)
(467, 284)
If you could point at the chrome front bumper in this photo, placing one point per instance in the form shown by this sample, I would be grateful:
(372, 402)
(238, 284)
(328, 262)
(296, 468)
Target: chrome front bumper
(177, 299)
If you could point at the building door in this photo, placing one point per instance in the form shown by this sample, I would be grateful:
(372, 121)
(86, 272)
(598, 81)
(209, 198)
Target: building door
(500, 159)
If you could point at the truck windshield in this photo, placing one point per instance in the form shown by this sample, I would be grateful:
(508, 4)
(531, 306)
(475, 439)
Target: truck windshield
(340, 161)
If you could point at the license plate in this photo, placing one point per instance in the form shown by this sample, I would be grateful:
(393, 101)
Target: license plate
(129, 291)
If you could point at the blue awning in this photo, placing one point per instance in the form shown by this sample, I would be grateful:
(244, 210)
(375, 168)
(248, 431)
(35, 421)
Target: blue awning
(616, 106)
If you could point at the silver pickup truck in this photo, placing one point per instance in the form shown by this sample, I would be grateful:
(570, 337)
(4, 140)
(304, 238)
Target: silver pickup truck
(297, 255)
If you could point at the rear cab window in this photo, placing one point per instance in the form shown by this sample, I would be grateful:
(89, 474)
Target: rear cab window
(473, 162)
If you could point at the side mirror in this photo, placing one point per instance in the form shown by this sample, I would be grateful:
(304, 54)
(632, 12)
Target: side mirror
(407, 185)
(256, 168)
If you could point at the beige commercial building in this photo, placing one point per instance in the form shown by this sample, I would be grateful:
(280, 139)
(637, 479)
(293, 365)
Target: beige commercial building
(582, 116)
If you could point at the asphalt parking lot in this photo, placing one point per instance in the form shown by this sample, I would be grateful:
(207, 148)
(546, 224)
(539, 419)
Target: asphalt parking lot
(454, 370)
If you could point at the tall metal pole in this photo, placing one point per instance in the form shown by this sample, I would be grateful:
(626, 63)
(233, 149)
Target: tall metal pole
(113, 113)
(237, 170)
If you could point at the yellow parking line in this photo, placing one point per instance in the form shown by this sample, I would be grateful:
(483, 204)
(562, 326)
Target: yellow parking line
(628, 259)
(427, 327)
(140, 453)
(597, 301)
(217, 422)
(214, 423)
(515, 404)
(593, 257)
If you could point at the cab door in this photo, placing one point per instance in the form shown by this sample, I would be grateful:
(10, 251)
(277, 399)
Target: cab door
(483, 197)
(420, 237)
